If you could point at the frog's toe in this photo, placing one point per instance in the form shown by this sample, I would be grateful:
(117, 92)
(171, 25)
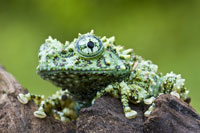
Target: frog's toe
(149, 101)
(64, 119)
(147, 113)
(40, 114)
(22, 98)
(131, 114)
(93, 100)
(174, 93)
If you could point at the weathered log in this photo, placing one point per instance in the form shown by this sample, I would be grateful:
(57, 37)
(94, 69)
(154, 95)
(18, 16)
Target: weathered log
(106, 115)
(170, 115)
(18, 118)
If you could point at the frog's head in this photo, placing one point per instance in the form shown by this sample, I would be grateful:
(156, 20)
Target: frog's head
(86, 61)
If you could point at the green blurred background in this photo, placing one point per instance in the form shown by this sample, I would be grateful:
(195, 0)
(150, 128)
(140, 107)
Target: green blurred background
(165, 31)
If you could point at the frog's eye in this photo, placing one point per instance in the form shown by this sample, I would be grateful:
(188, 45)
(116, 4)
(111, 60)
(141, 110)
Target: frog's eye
(89, 46)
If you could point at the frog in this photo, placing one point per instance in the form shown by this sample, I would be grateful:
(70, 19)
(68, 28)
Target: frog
(91, 66)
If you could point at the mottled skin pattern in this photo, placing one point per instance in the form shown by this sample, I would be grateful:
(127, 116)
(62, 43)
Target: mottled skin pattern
(91, 66)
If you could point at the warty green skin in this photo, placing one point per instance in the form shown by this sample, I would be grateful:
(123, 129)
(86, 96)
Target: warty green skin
(90, 67)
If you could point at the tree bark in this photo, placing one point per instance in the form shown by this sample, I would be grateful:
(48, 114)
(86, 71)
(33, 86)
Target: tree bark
(18, 118)
(106, 115)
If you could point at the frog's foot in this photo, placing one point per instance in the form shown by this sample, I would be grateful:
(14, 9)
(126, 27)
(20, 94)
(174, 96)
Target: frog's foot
(65, 115)
(44, 107)
(148, 112)
(175, 85)
(60, 105)
(60, 116)
(129, 113)
(24, 98)
(69, 113)
(125, 90)
(40, 114)
(149, 101)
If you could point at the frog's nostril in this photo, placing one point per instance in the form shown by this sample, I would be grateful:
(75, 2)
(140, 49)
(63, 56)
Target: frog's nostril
(90, 44)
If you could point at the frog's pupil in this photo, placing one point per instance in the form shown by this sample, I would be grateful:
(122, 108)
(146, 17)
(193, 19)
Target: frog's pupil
(90, 44)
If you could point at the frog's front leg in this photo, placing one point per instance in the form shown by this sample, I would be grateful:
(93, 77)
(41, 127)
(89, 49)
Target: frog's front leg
(61, 105)
(114, 90)
(56, 105)
(44, 105)
(125, 92)
(38, 99)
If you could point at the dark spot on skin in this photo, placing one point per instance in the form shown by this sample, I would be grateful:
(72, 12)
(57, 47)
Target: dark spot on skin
(113, 50)
(62, 64)
(77, 62)
(68, 55)
(109, 48)
(117, 67)
(89, 62)
(55, 58)
(71, 50)
(56, 63)
(64, 97)
(99, 65)
(83, 63)
(155, 78)
(63, 51)
(105, 62)
(47, 58)
(99, 62)
(182, 90)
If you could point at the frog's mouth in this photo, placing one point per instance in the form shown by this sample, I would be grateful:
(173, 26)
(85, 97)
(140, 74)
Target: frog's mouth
(78, 78)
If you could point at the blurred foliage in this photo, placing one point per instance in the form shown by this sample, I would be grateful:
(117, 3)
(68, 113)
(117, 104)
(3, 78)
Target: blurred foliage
(165, 31)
